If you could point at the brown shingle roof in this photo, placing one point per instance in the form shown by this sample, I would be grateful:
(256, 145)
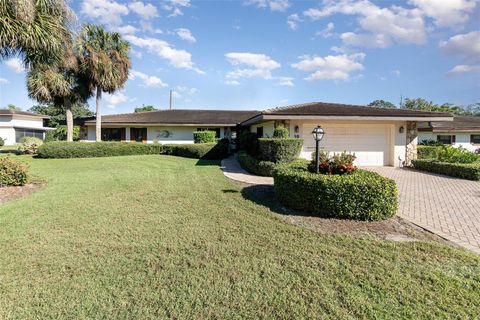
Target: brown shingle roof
(337, 109)
(459, 123)
(4, 112)
(180, 116)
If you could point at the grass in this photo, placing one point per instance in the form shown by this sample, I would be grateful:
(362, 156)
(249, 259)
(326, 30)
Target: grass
(166, 237)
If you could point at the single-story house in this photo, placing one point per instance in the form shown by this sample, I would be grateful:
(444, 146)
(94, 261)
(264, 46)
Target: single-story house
(14, 125)
(462, 131)
(377, 136)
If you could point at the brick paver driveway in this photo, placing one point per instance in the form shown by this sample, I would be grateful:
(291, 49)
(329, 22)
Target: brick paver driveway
(447, 206)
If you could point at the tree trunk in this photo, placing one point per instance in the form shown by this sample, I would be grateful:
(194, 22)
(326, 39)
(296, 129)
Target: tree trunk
(98, 124)
(69, 115)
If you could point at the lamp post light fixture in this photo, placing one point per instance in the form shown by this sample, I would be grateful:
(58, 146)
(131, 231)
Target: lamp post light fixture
(318, 134)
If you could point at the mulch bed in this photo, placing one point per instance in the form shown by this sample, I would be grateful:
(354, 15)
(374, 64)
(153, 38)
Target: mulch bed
(11, 193)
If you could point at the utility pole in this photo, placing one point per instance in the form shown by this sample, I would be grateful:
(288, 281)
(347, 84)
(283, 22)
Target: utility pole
(170, 108)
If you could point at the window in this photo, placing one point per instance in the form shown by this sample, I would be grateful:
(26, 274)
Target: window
(259, 132)
(475, 138)
(20, 133)
(113, 134)
(217, 131)
(446, 139)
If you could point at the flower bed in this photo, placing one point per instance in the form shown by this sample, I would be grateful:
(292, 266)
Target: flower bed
(361, 195)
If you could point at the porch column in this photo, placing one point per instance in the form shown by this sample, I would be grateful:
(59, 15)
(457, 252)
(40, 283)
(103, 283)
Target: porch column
(127, 134)
(411, 143)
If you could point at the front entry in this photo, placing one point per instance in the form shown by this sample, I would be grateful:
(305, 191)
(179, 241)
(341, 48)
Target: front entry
(138, 135)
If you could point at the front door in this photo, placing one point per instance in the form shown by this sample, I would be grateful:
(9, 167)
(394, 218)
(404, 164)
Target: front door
(138, 135)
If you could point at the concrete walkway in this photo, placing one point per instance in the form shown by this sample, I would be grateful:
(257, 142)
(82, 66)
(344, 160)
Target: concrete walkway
(446, 206)
(231, 169)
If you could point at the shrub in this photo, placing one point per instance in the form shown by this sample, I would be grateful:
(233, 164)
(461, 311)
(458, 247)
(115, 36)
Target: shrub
(63, 149)
(281, 132)
(248, 141)
(12, 172)
(431, 143)
(2, 142)
(456, 155)
(460, 170)
(252, 165)
(337, 164)
(60, 134)
(427, 152)
(29, 145)
(362, 195)
(207, 151)
(204, 136)
(279, 150)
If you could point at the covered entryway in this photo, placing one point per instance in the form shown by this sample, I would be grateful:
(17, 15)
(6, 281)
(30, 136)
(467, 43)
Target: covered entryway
(371, 143)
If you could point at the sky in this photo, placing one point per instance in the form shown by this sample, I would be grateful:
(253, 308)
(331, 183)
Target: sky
(257, 54)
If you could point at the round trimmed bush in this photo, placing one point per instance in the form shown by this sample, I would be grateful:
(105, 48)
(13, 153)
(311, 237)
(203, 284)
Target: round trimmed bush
(29, 145)
(361, 195)
(12, 172)
(279, 150)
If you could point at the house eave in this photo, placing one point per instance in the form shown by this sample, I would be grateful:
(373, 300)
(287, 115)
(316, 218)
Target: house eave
(145, 124)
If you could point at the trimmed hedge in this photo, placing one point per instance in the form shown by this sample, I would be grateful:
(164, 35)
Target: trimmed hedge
(62, 149)
(427, 152)
(204, 136)
(279, 150)
(252, 165)
(12, 172)
(459, 170)
(362, 195)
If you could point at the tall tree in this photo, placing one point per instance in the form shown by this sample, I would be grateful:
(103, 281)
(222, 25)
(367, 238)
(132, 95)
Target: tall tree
(56, 112)
(35, 29)
(382, 104)
(145, 109)
(422, 104)
(104, 61)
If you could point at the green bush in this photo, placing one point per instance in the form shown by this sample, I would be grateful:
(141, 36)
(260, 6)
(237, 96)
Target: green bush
(29, 145)
(427, 152)
(341, 163)
(2, 142)
(459, 170)
(204, 136)
(60, 134)
(252, 165)
(281, 132)
(62, 149)
(12, 172)
(248, 141)
(362, 195)
(431, 143)
(279, 150)
(456, 155)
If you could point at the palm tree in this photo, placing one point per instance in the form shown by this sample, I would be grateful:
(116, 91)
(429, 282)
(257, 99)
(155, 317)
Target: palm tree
(35, 29)
(59, 83)
(104, 62)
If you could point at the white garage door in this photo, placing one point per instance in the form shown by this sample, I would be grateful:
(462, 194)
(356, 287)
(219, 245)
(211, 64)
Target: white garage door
(370, 143)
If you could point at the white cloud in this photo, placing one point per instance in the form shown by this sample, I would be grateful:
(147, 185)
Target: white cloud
(180, 91)
(108, 12)
(337, 67)
(15, 64)
(259, 65)
(274, 5)
(186, 35)
(232, 82)
(293, 21)
(327, 32)
(446, 13)
(285, 81)
(148, 81)
(467, 48)
(177, 58)
(174, 7)
(4, 81)
(116, 98)
(366, 39)
(127, 29)
(145, 11)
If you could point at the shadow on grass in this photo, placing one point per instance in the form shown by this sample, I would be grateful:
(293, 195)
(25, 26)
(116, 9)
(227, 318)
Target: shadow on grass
(203, 162)
(230, 191)
(264, 195)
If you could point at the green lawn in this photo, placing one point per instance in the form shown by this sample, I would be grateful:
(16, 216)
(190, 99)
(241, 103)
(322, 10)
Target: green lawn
(166, 237)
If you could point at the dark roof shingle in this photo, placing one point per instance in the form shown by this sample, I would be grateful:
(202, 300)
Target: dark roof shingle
(459, 123)
(4, 112)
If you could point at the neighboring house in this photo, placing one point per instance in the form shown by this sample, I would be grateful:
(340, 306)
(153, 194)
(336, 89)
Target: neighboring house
(14, 125)
(377, 136)
(462, 131)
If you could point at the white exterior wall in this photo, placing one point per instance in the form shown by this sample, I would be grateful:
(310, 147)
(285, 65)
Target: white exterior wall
(461, 138)
(8, 122)
(268, 128)
(8, 135)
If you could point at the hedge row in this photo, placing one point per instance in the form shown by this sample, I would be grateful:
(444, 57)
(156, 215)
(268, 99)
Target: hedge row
(204, 136)
(279, 150)
(427, 152)
(62, 149)
(362, 195)
(255, 166)
(459, 170)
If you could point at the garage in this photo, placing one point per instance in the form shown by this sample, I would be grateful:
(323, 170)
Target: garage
(371, 143)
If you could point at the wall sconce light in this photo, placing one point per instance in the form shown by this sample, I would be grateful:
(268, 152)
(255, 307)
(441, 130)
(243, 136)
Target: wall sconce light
(401, 130)
(297, 129)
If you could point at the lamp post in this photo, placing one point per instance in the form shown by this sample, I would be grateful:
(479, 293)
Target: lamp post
(317, 133)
